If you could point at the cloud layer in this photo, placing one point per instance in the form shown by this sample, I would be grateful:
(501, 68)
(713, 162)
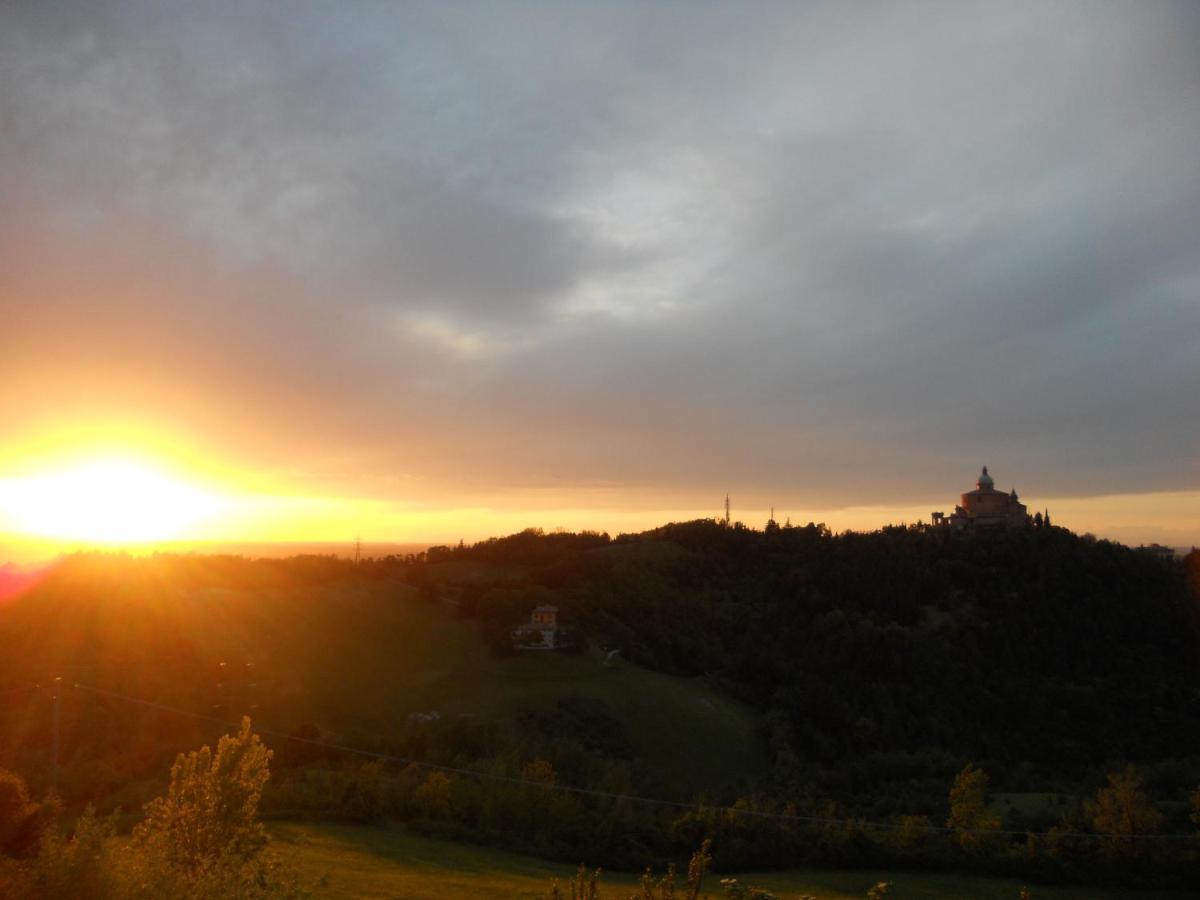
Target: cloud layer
(825, 254)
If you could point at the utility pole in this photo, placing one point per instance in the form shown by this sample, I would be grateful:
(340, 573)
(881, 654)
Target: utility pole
(236, 691)
(54, 748)
(250, 690)
(225, 685)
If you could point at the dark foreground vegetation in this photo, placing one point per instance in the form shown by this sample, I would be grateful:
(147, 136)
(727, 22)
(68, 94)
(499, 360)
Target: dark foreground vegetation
(1025, 704)
(200, 839)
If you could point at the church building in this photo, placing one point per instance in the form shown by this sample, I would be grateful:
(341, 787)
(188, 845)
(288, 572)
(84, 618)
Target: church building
(985, 508)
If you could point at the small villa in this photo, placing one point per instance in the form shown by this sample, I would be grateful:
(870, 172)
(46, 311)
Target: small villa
(540, 632)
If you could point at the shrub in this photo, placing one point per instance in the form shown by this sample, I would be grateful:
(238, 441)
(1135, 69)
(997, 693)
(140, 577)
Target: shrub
(79, 866)
(22, 821)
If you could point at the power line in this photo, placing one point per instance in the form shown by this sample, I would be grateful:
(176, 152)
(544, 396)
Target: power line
(611, 795)
(57, 719)
(6, 692)
(19, 689)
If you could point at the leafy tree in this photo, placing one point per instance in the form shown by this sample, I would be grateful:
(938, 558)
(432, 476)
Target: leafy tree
(969, 815)
(1122, 813)
(79, 866)
(209, 814)
(363, 792)
(1191, 568)
(697, 867)
(1196, 806)
(433, 797)
(909, 831)
(539, 771)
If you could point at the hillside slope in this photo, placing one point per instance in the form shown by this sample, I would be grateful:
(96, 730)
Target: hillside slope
(358, 659)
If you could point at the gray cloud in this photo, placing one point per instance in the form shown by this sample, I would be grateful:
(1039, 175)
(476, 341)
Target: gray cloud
(829, 253)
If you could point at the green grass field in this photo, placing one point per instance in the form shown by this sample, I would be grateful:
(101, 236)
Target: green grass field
(405, 656)
(345, 861)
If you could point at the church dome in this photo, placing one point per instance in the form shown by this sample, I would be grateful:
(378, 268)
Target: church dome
(985, 481)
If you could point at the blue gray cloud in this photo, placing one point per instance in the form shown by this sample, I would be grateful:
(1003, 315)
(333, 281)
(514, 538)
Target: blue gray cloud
(836, 254)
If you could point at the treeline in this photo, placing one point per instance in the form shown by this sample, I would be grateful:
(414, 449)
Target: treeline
(1038, 647)
(1115, 836)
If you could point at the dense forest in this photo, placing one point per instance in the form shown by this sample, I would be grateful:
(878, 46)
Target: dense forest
(1039, 647)
(1029, 672)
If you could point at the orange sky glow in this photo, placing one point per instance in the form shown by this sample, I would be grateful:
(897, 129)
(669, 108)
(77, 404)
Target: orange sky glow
(57, 499)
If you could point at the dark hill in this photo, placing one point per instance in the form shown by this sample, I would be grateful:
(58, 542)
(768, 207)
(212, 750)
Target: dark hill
(1039, 647)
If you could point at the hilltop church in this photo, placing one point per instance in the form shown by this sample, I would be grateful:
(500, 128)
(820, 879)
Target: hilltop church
(985, 508)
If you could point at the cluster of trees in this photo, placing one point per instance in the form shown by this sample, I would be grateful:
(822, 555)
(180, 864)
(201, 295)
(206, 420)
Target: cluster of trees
(1115, 835)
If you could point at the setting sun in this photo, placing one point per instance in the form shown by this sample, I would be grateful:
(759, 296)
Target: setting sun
(108, 501)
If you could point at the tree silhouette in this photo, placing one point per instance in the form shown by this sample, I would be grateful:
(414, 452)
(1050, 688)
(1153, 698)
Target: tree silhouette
(969, 815)
(1123, 813)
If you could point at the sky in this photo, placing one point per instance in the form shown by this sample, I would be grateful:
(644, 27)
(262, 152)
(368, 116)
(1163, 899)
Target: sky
(427, 271)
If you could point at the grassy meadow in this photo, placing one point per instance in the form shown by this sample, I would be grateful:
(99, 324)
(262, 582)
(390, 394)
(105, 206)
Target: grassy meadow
(349, 861)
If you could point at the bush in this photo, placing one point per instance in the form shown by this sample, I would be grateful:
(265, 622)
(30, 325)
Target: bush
(82, 866)
(22, 822)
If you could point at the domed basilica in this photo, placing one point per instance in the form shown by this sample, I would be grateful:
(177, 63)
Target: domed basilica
(985, 507)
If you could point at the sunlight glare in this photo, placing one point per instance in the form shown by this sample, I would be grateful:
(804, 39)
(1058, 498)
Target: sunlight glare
(110, 501)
